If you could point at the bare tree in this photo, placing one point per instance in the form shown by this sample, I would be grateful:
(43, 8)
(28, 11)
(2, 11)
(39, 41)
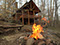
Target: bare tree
(56, 12)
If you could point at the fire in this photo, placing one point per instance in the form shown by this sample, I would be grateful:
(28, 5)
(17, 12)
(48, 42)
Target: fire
(37, 29)
(43, 19)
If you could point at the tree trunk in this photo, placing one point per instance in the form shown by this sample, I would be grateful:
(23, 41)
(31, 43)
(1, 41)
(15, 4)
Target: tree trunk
(56, 13)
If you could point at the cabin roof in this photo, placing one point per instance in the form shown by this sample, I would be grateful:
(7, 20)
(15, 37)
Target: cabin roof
(25, 5)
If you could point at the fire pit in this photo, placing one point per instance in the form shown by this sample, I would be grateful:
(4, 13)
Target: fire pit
(37, 29)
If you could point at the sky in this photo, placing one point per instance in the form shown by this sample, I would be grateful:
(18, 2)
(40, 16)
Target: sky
(24, 1)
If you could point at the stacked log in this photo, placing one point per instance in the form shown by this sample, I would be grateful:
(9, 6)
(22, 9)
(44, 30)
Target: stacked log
(6, 28)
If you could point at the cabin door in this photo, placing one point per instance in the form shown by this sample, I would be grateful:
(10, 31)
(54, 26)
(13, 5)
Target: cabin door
(31, 21)
(25, 21)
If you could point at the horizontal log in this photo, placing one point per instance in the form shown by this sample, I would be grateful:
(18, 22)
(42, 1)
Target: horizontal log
(10, 26)
(5, 28)
(30, 16)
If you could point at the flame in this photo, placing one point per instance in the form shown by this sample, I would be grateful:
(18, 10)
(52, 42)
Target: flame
(44, 19)
(37, 29)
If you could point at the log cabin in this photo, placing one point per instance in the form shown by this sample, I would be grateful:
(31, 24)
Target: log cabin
(27, 13)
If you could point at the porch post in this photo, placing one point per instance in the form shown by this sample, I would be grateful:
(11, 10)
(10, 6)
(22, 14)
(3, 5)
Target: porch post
(22, 18)
(28, 18)
(34, 15)
(39, 18)
(16, 17)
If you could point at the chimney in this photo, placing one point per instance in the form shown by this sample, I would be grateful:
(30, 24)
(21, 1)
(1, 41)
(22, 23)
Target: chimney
(30, 0)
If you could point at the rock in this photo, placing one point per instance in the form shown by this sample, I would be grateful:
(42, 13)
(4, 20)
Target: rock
(41, 43)
(48, 41)
(28, 30)
(30, 41)
(25, 38)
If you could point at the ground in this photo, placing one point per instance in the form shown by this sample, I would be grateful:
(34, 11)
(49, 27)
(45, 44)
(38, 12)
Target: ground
(12, 37)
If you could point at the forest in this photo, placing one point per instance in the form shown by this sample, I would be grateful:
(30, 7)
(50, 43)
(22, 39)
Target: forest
(29, 22)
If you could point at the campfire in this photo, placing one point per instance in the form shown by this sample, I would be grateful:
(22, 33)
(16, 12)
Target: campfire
(37, 29)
